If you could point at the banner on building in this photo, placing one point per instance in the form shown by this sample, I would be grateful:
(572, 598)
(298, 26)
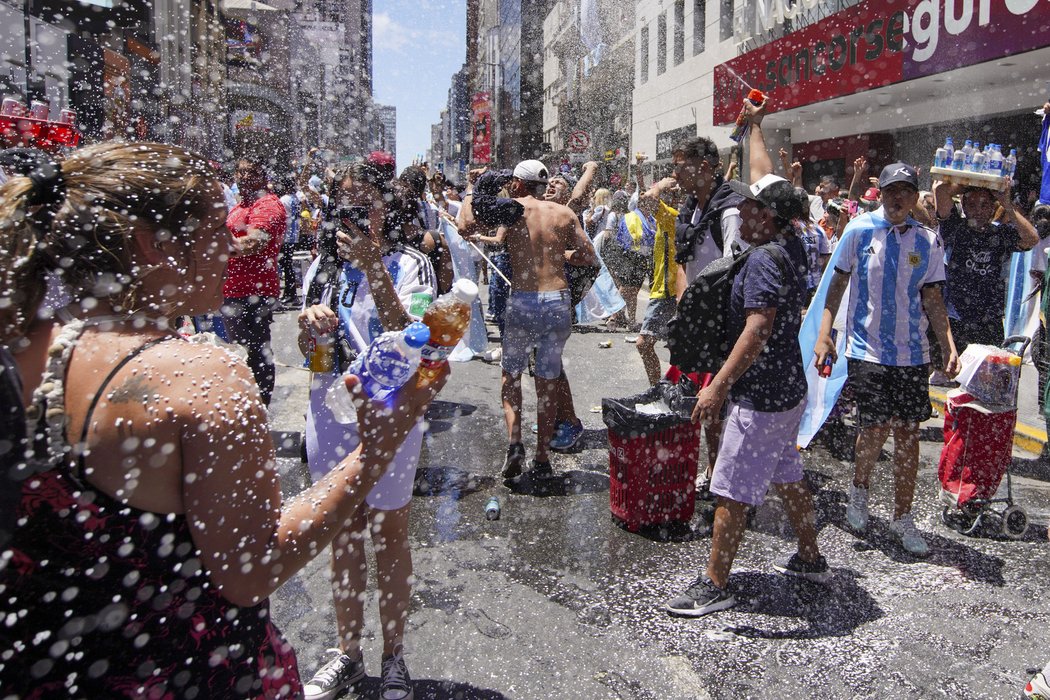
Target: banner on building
(481, 141)
(877, 43)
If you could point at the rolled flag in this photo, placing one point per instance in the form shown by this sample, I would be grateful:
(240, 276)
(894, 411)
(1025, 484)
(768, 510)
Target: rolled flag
(476, 338)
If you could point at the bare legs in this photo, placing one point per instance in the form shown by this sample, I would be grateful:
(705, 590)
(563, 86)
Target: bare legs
(646, 345)
(550, 400)
(905, 460)
(389, 532)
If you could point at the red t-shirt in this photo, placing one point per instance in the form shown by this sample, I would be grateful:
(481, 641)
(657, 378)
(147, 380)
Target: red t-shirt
(255, 274)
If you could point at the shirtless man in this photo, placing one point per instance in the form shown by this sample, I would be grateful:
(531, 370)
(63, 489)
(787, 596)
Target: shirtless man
(541, 236)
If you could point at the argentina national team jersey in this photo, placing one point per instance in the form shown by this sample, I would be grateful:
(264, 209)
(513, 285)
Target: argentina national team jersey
(888, 269)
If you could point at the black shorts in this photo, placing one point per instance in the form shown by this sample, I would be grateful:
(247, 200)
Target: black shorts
(885, 393)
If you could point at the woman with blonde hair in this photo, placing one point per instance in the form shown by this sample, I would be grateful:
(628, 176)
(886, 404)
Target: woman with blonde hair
(152, 528)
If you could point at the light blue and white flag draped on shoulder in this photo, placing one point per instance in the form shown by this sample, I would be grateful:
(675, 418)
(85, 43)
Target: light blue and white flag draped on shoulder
(463, 259)
(1044, 160)
(822, 393)
(603, 299)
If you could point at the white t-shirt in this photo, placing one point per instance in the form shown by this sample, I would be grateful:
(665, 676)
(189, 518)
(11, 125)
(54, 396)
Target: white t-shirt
(886, 321)
(816, 208)
(328, 441)
(706, 251)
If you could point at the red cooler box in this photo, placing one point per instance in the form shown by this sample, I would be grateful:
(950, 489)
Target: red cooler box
(978, 445)
(652, 463)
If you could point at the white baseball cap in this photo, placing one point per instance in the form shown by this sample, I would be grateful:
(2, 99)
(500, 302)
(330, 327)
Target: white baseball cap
(532, 171)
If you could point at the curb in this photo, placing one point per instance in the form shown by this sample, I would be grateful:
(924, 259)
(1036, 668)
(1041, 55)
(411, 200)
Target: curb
(1026, 437)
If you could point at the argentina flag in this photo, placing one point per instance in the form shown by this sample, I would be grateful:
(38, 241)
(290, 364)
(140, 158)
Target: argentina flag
(1044, 159)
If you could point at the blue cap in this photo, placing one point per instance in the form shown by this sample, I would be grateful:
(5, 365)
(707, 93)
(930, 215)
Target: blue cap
(417, 335)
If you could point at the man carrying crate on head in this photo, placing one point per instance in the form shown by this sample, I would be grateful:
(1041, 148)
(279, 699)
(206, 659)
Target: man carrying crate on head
(764, 382)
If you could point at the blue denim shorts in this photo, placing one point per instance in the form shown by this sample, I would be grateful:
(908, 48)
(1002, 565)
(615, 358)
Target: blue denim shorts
(540, 320)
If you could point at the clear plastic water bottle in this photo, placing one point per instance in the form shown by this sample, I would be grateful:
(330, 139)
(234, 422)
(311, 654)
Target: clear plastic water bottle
(959, 160)
(967, 150)
(977, 162)
(994, 164)
(383, 369)
(949, 147)
(492, 509)
(940, 157)
(1010, 164)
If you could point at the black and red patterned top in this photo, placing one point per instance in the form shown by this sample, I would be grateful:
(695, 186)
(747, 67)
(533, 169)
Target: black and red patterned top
(101, 600)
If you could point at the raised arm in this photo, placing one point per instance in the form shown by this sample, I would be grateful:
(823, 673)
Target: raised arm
(250, 541)
(578, 200)
(942, 198)
(650, 200)
(1028, 237)
(758, 158)
(860, 178)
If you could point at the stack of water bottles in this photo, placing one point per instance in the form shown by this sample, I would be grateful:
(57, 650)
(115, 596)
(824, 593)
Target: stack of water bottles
(393, 357)
(972, 159)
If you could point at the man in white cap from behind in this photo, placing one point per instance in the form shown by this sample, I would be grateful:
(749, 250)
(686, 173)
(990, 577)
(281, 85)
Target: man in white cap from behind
(540, 239)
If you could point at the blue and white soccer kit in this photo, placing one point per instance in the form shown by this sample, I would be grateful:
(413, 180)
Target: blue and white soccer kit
(327, 440)
(888, 267)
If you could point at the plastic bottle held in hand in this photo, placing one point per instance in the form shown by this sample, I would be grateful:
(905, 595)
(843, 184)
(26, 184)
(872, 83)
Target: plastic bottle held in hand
(757, 97)
(447, 318)
(322, 354)
(383, 369)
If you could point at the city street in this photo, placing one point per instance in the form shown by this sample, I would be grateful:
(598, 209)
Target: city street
(555, 601)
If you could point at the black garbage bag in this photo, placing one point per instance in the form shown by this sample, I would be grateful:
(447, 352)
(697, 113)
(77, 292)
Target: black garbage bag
(622, 419)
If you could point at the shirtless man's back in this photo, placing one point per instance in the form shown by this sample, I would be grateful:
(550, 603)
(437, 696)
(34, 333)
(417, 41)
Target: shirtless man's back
(538, 244)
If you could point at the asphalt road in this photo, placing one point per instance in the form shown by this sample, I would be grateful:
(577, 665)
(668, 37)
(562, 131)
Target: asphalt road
(556, 601)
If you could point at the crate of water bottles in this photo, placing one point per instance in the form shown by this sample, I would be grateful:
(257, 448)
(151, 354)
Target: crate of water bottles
(974, 166)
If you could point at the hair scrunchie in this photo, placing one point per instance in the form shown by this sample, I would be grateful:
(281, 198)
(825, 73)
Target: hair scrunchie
(49, 187)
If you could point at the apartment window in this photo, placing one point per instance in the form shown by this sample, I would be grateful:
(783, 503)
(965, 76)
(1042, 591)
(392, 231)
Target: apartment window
(661, 44)
(679, 31)
(643, 54)
(699, 25)
(725, 21)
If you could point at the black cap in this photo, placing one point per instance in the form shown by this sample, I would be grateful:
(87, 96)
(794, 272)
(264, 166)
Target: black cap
(898, 172)
(774, 193)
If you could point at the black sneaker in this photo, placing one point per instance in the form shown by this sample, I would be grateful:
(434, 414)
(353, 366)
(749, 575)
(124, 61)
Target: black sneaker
(515, 460)
(334, 677)
(397, 684)
(701, 598)
(541, 468)
(815, 571)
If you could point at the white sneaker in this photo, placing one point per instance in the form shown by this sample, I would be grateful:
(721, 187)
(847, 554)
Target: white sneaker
(493, 355)
(910, 537)
(939, 378)
(857, 509)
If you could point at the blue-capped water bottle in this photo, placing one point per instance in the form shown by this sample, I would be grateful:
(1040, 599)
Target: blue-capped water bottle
(1010, 164)
(383, 368)
(967, 150)
(994, 164)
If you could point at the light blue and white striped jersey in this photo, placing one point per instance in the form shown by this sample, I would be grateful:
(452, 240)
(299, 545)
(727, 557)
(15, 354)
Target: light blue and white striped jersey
(888, 267)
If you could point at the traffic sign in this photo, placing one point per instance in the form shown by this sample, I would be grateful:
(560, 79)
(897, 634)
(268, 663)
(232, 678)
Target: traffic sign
(578, 141)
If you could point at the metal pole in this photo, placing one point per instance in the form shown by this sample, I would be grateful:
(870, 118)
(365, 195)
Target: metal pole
(29, 51)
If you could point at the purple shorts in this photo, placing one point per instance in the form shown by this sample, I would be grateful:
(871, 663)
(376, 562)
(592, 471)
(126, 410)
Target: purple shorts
(758, 448)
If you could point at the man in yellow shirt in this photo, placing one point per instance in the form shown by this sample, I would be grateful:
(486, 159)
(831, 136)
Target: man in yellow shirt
(656, 210)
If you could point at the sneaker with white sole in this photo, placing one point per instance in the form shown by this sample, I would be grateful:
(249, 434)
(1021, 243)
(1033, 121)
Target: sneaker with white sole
(566, 436)
(857, 509)
(397, 684)
(815, 571)
(334, 677)
(701, 598)
(909, 535)
(1039, 687)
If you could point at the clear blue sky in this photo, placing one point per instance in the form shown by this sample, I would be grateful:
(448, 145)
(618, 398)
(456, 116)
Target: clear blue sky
(417, 46)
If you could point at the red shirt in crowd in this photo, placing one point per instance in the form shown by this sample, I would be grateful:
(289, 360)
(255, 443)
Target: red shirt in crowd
(255, 274)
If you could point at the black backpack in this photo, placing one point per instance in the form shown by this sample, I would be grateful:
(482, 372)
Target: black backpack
(698, 336)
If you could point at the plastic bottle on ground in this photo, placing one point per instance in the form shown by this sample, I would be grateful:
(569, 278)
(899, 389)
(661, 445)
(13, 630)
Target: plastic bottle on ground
(447, 318)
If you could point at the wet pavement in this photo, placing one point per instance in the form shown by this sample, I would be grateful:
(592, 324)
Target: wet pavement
(554, 600)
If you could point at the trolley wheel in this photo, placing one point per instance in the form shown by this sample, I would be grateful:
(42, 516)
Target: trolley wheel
(1015, 522)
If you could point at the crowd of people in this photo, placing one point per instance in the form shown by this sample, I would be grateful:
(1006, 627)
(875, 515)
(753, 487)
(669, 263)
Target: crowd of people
(142, 473)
